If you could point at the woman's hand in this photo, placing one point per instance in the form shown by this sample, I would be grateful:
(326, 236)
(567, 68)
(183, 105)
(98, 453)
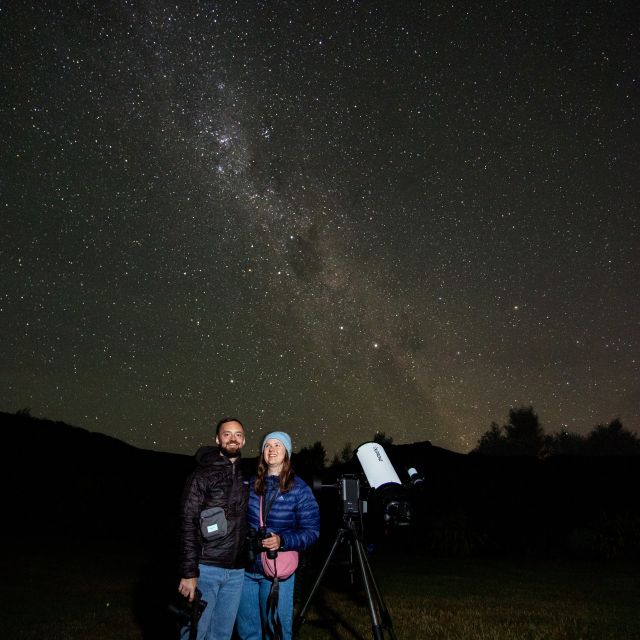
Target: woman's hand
(272, 542)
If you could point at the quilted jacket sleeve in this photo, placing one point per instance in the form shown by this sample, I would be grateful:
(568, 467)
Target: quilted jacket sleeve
(191, 505)
(303, 529)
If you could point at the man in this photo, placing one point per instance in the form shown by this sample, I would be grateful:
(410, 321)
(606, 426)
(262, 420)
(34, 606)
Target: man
(212, 540)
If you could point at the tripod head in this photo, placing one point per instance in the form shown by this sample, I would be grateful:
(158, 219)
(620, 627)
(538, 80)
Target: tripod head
(381, 484)
(349, 488)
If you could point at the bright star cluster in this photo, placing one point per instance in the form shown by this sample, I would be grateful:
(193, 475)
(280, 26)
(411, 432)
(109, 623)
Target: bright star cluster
(333, 218)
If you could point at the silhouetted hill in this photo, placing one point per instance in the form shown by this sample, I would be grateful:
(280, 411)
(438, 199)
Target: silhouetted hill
(64, 481)
(60, 480)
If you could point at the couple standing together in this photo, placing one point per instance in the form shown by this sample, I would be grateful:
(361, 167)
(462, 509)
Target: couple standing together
(213, 542)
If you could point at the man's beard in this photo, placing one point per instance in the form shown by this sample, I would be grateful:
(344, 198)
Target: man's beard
(230, 453)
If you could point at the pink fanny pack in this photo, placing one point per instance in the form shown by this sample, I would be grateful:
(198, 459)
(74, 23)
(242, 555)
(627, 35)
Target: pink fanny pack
(283, 565)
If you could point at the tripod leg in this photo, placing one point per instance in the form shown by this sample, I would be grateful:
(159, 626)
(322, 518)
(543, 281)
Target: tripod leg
(336, 542)
(384, 612)
(376, 627)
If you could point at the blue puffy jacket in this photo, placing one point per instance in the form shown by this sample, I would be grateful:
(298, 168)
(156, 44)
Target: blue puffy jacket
(294, 515)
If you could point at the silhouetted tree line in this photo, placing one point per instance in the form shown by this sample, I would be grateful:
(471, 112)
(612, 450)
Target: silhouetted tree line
(63, 481)
(523, 435)
(530, 493)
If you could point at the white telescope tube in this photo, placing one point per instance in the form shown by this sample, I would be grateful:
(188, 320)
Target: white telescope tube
(376, 465)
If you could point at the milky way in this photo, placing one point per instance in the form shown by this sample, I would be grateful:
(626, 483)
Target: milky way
(331, 218)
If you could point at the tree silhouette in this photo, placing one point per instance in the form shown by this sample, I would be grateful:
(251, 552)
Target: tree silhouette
(522, 435)
(493, 442)
(382, 438)
(310, 460)
(565, 443)
(345, 456)
(612, 440)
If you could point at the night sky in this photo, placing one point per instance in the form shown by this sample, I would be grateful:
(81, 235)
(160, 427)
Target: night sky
(331, 218)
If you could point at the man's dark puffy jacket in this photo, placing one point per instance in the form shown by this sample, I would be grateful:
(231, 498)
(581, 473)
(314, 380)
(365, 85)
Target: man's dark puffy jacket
(216, 482)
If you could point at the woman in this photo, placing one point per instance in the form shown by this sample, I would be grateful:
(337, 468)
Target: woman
(292, 519)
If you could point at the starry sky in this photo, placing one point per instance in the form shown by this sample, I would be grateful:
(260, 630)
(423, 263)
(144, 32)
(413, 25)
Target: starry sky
(333, 218)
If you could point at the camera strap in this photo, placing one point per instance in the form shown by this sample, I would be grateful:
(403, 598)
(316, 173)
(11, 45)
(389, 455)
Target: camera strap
(271, 625)
(264, 511)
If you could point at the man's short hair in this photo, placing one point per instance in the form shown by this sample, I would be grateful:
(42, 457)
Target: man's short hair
(224, 421)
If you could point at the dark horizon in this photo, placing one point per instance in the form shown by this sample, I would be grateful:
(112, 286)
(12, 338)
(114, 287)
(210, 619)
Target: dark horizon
(101, 488)
(614, 438)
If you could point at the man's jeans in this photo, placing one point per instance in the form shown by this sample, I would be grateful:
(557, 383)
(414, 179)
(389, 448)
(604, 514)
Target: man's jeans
(250, 615)
(221, 590)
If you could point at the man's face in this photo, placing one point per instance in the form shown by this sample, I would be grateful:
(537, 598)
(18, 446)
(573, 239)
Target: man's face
(230, 439)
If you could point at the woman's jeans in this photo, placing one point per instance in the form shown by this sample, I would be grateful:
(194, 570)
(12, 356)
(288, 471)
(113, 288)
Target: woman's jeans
(250, 616)
(221, 590)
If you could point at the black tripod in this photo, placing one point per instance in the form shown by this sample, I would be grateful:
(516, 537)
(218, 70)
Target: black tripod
(378, 612)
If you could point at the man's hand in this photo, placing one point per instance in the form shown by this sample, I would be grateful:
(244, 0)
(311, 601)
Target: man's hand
(271, 542)
(187, 587)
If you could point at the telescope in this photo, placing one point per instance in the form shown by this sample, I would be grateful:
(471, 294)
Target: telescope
(383, 479)
(388, 490)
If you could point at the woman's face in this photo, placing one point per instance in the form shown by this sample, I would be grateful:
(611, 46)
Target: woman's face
(274, 453)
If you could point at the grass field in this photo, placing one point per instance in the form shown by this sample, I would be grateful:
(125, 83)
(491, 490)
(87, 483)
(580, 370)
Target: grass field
(62, 592)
